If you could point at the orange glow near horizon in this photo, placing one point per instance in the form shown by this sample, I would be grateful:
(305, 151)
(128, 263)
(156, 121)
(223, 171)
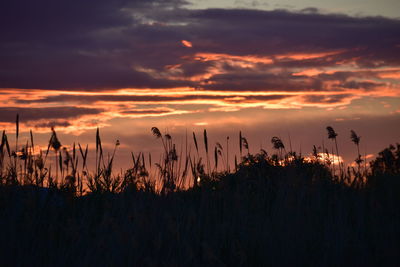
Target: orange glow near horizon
(218, 95)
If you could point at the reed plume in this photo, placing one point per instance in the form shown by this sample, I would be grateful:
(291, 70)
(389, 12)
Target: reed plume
(332, 135)
(278, 145)
(356, 140)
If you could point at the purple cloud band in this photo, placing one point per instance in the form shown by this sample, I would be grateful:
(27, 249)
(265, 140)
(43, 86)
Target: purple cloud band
(100, 45)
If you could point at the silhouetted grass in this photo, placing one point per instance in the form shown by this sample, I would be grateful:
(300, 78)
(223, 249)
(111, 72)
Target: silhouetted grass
(281, 209)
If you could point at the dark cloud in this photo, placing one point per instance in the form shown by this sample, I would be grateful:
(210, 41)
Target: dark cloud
(146, 111)
(7, 114)
(367, 86)
(104, 44)
(50, 124)
(252, 81)
(256, 98)
(339, 75)
(84, 74)
(75, 45)
(326, 99)
(40, 20)
(310, 10)
(282, 31)
(89, 99)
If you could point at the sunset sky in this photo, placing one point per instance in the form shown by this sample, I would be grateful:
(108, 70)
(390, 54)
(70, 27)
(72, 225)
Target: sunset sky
(267, 68)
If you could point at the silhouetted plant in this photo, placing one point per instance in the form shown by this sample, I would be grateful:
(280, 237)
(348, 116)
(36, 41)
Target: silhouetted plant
(240, 144)
(332, 135)
(171, 172)
(267, 212)
(246, 144)
(316, 155)
(388, 161)
(206, 148)
(55, 144)
(278, 145)
(356, 140)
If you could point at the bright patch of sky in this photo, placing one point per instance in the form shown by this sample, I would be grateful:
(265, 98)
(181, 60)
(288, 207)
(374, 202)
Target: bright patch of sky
(386, 8)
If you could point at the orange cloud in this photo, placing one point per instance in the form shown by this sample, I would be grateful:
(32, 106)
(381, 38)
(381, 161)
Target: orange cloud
(249, 59)
(395, 75)
(187, 43)
(305, 56)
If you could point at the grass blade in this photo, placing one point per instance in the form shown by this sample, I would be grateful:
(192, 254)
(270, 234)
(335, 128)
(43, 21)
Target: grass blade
(195, 143)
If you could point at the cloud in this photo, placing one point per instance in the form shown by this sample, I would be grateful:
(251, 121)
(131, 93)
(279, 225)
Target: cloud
(46, 20)
(7, 114)
(146, 111)
(122, 63)
(73, 45)
(99, 45)
(96, 61)
(50, 124)
(138, 104)
(187, 43)
(252, 81)
(362, 85)
(330, 99)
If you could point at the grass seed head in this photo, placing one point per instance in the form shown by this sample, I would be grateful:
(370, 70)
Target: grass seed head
(156, 132)
(354, 137)
(331, 132)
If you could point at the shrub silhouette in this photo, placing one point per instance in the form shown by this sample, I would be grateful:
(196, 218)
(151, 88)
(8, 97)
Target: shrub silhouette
(274, 209)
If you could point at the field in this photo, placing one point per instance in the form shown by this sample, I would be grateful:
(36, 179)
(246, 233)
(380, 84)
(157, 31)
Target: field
(282, 209)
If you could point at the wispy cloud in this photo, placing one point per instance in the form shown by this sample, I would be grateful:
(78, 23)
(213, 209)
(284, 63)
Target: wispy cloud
(7, 114)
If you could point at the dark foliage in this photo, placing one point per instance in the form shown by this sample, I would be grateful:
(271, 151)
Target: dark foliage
(264, 214)
(284, 209)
